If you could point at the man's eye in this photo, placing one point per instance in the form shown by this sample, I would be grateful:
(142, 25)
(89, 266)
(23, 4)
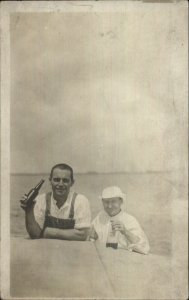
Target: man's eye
(56, 179)
(66, 180)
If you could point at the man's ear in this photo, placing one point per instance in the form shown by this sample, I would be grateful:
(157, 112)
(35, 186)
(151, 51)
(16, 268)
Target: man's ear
(73, 181)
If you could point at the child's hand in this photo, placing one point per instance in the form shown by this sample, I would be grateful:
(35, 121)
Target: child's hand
(118, 226)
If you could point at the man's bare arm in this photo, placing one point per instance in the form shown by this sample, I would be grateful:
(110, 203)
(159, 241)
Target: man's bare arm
(32, 226)
(65, 234)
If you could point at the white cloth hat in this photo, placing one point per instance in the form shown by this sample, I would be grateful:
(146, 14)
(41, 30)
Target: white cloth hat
(112, 192)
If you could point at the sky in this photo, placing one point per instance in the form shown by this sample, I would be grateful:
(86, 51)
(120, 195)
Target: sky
(103, 92)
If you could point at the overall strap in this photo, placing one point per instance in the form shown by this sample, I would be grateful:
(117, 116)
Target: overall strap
(48, 204)
(71, 215)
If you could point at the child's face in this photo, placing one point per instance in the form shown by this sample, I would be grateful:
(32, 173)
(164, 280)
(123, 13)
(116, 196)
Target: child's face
(112, 205)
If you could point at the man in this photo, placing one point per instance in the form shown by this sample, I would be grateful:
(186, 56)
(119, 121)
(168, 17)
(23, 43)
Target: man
(114, 227)
(60, 214)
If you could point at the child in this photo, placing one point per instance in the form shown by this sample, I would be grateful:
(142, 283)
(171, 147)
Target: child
(114, 227)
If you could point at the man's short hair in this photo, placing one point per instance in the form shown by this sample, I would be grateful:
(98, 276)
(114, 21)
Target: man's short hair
(62, 167)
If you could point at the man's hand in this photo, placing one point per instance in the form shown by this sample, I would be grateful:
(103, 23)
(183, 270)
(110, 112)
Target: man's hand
(24, 203)
(93, 236)
(118, 226)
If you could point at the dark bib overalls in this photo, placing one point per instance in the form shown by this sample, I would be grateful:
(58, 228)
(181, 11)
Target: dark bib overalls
(53, 222)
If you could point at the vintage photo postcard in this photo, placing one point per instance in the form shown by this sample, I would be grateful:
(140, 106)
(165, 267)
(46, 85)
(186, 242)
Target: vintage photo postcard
(94, 155)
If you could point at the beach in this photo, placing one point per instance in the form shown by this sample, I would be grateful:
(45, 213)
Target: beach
(157, 200)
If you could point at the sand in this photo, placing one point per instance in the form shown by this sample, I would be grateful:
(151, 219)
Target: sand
(55, 268)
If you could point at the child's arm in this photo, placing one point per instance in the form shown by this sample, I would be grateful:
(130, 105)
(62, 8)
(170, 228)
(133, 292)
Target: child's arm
(134, 234)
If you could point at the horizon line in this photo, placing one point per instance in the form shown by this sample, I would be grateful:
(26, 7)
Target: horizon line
(97, 173)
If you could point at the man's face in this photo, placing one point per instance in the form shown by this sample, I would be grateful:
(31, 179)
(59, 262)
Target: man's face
(61, 183)
(112, 205)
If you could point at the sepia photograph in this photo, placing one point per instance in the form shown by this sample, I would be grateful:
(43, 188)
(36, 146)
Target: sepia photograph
(94, 150)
